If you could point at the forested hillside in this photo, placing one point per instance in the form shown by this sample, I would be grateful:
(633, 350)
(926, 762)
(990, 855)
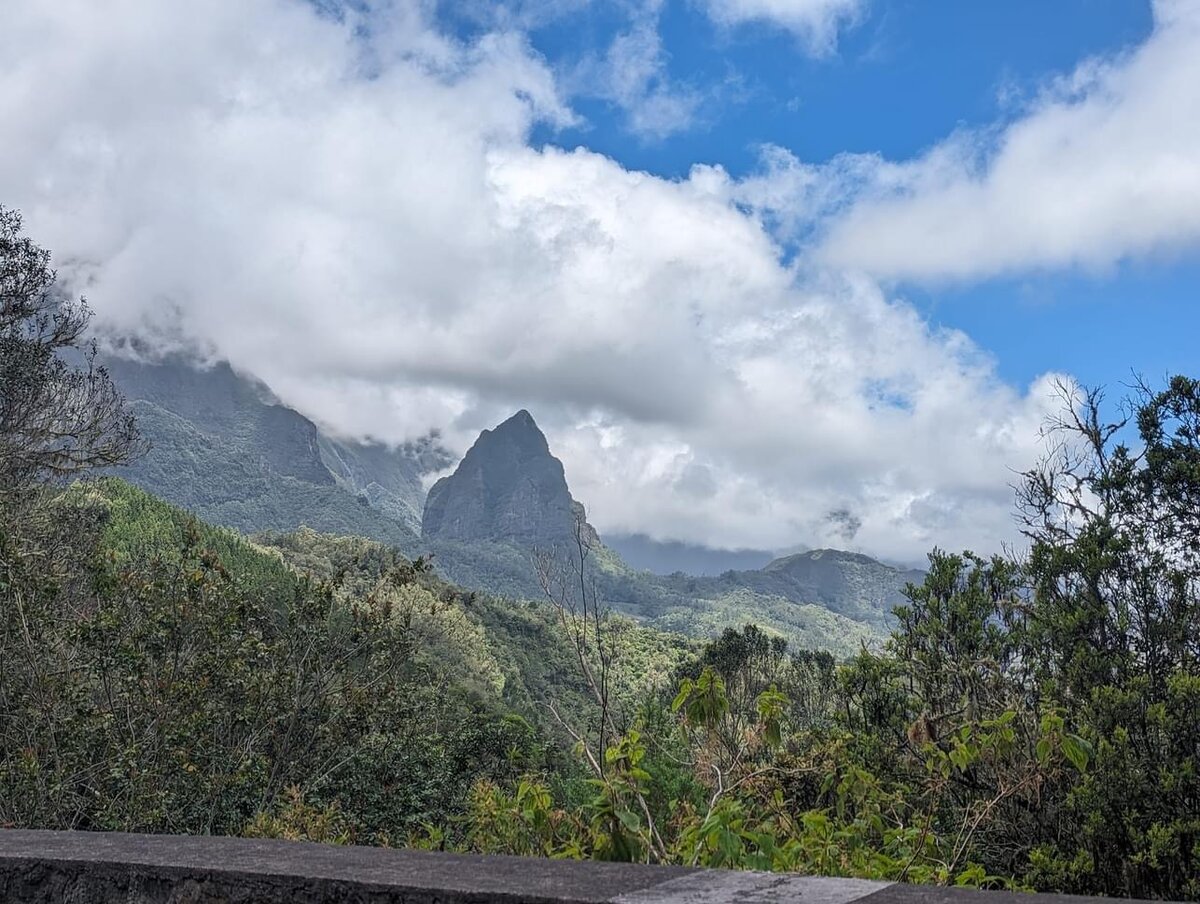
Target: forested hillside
(161, 675)
(224, 672)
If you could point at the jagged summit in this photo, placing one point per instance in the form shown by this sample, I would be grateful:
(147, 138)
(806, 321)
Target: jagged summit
(522, 431)
(508, 488)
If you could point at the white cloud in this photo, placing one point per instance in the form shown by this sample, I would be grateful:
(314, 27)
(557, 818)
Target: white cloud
(633, 75)
(1103, 166)
(815, 22)
(363, 224)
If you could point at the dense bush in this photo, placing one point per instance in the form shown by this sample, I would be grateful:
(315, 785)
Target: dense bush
(152, 685)
(1030, 723)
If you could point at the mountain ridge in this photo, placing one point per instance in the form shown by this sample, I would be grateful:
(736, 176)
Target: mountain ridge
(224, 447)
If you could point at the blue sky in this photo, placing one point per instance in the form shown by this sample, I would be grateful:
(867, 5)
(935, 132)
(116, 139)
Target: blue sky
(898, 81)
(906, 75)
(768, 273)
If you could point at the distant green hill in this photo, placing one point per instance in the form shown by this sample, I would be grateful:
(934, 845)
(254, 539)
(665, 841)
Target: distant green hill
(838, 616)
(508, 498)
(850, 584)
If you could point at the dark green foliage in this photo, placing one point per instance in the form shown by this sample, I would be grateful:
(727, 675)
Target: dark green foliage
(1115, 568)
(1032, 724)
(167, 676)
(516, 647)
(138, 527)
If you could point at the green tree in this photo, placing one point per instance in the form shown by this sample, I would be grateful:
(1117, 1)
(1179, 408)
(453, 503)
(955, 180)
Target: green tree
(1114, 524)
(57, 418)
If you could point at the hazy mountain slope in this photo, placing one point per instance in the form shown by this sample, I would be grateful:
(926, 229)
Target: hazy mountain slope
(222, 446)
(703, 607)
(850, 583)
(847, 583)
(233, 488)
(240, 413)
(389, 478)
(693, 606)
(669, 556)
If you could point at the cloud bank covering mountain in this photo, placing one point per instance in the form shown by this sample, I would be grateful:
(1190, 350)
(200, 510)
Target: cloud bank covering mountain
(370, 214)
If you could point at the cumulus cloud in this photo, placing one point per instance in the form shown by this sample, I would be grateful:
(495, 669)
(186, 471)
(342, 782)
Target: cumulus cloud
(815, 22)
(632, 74)
(352, 211)
(1102, 166)
(845, 403)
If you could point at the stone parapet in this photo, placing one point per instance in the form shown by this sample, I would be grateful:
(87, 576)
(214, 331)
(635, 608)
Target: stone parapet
(103, 867)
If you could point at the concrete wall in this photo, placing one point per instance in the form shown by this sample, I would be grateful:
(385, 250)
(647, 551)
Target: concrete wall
(86, 867)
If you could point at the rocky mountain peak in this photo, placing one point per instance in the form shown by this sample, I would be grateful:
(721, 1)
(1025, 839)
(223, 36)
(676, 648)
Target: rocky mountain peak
(509, 487)
(519, 431)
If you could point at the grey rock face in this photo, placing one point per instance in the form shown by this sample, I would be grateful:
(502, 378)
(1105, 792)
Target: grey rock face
(218, 402)
(508, 488)
(224, 446)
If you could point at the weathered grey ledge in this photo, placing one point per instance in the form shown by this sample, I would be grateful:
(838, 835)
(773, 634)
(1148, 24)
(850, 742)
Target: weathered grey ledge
(78, 867)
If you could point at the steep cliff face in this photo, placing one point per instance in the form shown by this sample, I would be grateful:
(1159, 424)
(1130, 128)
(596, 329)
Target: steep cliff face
(223, 446)
(220, 403)
(508, 488)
